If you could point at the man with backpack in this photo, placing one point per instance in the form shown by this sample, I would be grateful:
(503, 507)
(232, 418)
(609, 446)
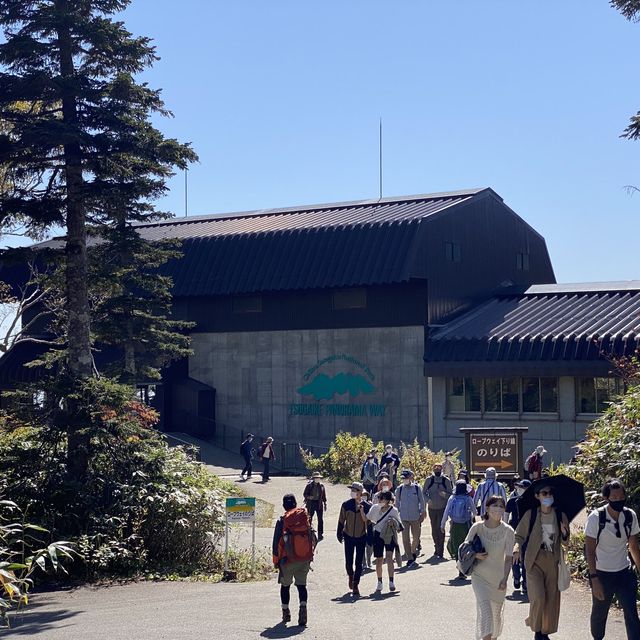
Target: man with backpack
(315, 499)
(487, 488)
(410, 505)
(246, 451)
(611, 536)
(293, 546)
(266, 454)
(534, 464)
(437, 489)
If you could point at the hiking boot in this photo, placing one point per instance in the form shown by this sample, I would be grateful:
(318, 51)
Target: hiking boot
(392, 585)
(302, 617)
(350, 582)
(379, 586)
(286, 615)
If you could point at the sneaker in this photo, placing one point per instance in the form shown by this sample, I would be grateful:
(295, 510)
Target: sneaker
(379, 586)
(286, 615)
(392, 585)
(461, 576)
(411, 562)
(302, 617)
(350, 582)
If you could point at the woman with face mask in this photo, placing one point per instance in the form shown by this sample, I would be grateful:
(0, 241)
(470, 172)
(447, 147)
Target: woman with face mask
(490, 574)
(513, 512)
(386, 523)
(539, 537)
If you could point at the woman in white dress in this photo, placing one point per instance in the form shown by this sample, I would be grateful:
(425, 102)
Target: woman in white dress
(490, 574)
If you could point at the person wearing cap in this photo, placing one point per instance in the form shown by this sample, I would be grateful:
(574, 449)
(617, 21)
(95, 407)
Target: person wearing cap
(290, 571)
(534, 463)
(513, 512)
(352, 532)
(448, 468)
(411, 506)
(369, 473)
(487, 488)
(437, 490)
(266, 454)
(246, 450)
(315, 499)
(390, 463)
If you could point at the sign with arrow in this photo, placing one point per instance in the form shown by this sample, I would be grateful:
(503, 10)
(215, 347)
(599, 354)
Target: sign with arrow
(499, 448)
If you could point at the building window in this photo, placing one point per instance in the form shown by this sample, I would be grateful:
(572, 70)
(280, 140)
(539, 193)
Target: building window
(502, 395)
(452, 252)
(350, 299)
(146, 393)
(593, 395)
(522, 262)
(464, 394)
(539, 395)
(246, 304)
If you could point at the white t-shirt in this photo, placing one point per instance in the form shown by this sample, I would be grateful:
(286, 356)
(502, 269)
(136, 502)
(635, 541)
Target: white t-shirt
(267, 451)
(611, 552)
(375, 513)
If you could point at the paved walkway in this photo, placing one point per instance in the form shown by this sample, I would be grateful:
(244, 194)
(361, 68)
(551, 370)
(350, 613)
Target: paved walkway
(428, 604)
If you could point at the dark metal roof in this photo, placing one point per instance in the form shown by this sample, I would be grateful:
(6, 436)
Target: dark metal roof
(545, 324)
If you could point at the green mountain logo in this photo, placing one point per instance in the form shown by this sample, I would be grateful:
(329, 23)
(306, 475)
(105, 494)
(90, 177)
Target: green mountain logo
(324, 387)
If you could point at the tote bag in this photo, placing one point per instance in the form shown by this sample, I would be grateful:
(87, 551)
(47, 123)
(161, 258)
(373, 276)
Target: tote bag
(564, 577)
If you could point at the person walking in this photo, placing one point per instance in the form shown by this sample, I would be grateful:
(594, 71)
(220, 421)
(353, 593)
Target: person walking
(293, 561)
(437, 490)
(534, 463)
(368, 549)
(411, 507)
(487, 488)
(448, 468)
(386, 523)
(390, 463)
(462, 511)
(352, 531)
(266, 454)
(463, 474)
(513, 515)
(315, 500)
(491, 572)
(246, 451)
(611, 535)
(369, 473)
(539, 538)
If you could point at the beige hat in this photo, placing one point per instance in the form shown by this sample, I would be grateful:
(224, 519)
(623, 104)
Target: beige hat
(316, 474)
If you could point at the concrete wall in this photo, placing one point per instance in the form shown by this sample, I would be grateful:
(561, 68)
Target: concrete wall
(557, 432)
(257, 377)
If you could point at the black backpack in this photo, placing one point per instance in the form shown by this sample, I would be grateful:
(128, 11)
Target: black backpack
(602, 521)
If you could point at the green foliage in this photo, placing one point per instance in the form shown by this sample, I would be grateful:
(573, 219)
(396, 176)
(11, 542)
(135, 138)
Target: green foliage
(142, 505)
(343, 461)
(421, 460)
(23, 553)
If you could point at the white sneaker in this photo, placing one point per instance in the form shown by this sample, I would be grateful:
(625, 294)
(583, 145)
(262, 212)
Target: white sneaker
(392, 585)
(379, 586)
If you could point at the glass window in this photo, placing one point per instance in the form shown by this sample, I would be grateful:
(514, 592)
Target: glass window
(350, 299)
(531, 395)
(539, 395)
(463, 394)
(522, 261)
(246, 304)
(472, 388)
(549, 395)
(594, 394)
(586, 396)
(452, 251)
(456, 394)
(510, 394)
(502, 394)
(492, 395)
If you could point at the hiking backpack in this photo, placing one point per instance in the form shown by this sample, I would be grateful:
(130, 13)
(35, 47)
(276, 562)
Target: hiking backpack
(298, 541)
(459, 509)
(602, 521)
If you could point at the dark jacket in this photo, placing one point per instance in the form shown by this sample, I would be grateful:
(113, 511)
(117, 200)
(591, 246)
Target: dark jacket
(263, 446)
(513, 510)
(308, 493)
(246, 449)
(349, 522)
(390, 457)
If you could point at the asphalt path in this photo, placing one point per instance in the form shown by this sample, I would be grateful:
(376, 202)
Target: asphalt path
(428, 603)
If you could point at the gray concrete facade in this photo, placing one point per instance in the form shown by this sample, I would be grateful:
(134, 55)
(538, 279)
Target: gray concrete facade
(307, 385)
(558, 432)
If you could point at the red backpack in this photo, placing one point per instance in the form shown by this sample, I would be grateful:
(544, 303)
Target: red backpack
(298, 540)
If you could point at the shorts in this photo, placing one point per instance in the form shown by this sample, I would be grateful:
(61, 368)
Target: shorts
(379, 545)
(291, 571)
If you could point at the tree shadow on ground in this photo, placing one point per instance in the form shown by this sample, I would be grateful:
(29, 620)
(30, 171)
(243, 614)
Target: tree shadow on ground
(281, 630)
(30, 623)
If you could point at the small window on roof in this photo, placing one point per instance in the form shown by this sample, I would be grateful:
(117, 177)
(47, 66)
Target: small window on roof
(350, 299)
(452, 252)
(246, 304)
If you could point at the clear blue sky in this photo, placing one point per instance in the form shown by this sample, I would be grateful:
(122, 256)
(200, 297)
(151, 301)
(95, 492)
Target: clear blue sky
(282, 99)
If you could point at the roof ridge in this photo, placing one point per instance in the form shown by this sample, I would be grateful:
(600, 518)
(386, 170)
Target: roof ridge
(349, 204)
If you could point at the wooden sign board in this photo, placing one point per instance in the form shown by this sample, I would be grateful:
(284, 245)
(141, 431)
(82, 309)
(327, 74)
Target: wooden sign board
(499, 448)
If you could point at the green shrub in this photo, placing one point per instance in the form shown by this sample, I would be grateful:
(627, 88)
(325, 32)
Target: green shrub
(421, 460)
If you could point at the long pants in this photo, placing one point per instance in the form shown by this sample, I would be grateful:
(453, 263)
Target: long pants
(248, 467)
(435, 516)
(544, 597)
(354, 546)
(265, 473)
(624, 585)
(520, 573)
(285, 595)
(315, 506)
(411, 537)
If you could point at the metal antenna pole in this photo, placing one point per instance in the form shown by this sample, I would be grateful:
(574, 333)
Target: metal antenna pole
(186, 192)
(380, 158)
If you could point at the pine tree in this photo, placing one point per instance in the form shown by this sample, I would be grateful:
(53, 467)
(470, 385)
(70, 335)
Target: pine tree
(98, 157)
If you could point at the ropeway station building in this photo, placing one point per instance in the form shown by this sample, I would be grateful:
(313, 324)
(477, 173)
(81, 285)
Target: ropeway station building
(402, 318)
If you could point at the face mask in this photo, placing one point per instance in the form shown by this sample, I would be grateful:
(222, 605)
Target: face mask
(547, 502)
(617, 505)
(519, 490)
(437, 473)
(389, 451)
(316, 480)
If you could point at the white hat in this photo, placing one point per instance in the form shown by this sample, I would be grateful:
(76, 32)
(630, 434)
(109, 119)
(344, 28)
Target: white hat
(540, 450)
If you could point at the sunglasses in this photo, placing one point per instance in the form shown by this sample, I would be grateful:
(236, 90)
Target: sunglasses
(616, 524)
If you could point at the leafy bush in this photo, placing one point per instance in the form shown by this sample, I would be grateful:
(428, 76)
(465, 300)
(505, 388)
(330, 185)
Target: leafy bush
(142, 507)
(421, 460)
(17, 565)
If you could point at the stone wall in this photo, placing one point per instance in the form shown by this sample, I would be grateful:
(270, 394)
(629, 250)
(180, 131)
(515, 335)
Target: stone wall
(307, 385)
